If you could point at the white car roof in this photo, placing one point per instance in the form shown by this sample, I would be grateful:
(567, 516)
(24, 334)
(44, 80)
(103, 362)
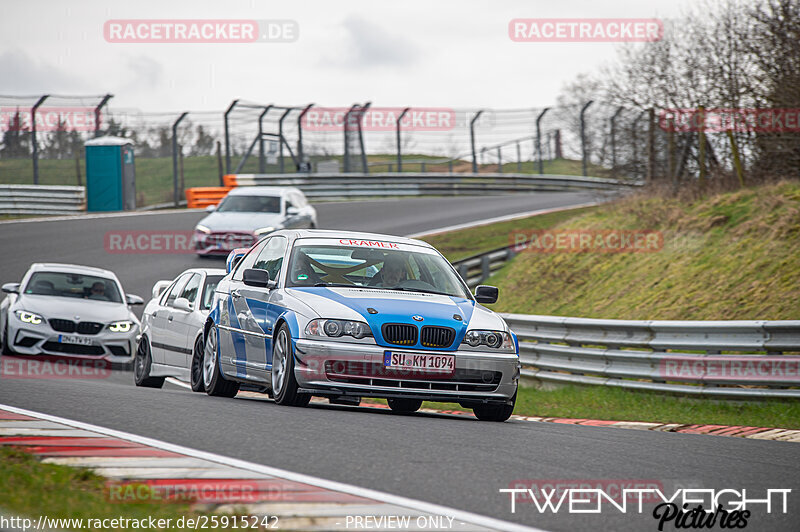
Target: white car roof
(207, 271)
(358, 235)
(70, 268)
(262, 191)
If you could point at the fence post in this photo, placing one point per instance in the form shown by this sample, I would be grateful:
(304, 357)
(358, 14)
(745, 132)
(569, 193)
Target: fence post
(701, 143)
(519, 159)
(280, 137)
(361, 113)
(300, 132)
(557, 149)
(228, 137)
(737, 162)
(651, 145)
(35, 154)
(399, 148)
(175, 197)
(584, 154)
(262, 164)
(347, 139)
(634, 135)
(672, 174)
(97, 113)
(472, 141)
(614, 141)
(499, 160)
(219, 164)
(539, 139)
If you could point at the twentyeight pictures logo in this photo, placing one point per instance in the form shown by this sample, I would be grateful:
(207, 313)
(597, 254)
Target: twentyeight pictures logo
(585, 30)
(177, 31)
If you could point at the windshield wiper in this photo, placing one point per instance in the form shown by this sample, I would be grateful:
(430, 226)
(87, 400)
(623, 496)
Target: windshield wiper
(421, 290)
(340, 285)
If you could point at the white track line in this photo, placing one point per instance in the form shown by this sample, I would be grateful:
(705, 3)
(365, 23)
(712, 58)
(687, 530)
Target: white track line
(505, 218)
(96, 216)
(366, 493)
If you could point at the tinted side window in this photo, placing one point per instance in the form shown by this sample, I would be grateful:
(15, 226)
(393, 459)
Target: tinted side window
(175, 289)
(208, 290)
(191, 288)
(248, 260)
(271, 256)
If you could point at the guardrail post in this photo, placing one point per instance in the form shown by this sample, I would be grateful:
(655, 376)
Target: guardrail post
(262, 163)
(300, 132)
(463, 271)
(472, 141)
(486, 270)
(584, 154)
(35, 145)
(97, 113)
(175, 197)
(614, 141)
(399, 147)
(539, 140)
(228, 137)
(499, 160)
(361, 113)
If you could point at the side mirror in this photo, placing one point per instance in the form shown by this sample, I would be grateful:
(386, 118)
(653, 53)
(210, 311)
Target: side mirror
(182, 304)
(486, 294)
(234, 257)
(257, 278)
(159, 288)
(211, 208)
(11, 288)
(291, 210)
(134, 300)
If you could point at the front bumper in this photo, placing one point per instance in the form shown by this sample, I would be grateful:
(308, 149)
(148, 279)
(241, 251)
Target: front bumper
(219, 244)
(41, 339)
(340, 368)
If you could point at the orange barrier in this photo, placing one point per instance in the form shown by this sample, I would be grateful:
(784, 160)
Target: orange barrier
(201, 197)
(229, 180)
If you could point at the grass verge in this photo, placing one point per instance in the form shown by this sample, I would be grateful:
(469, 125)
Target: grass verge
(32, 488)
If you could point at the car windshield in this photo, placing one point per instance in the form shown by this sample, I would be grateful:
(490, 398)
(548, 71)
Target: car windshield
(250, 204)
(75, 285)
(401, 269)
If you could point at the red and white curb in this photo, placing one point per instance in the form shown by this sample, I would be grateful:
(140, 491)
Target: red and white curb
(301, 502)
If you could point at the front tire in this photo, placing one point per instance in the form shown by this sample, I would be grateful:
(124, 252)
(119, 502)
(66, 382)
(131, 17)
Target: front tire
(196, 368)
(142, 363)
(284, 383)
(497, 413)
(404, 406)
(213, 381)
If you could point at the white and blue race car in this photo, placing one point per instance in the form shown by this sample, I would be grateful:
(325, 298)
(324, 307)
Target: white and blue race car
(348, 315)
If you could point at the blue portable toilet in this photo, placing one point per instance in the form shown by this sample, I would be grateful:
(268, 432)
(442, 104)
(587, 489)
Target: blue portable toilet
(110, 175)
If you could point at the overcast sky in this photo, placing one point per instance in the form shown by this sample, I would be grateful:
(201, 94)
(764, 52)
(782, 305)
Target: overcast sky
(414, 52)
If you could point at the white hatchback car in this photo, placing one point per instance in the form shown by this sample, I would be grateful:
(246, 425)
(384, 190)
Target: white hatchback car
(69, 310)
(171, 343)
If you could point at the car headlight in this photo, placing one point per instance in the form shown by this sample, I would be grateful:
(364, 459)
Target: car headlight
(337, 328)
(202, 229)
(263, 231)
(120, 326)
(28, 317)
(493, 339)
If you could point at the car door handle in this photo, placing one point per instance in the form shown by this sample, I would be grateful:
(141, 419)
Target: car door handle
(235, 294)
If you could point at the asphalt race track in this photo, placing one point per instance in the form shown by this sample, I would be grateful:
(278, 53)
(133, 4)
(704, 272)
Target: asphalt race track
(447, 460)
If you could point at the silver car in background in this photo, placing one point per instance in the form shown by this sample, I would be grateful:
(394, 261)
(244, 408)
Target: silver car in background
(69, 310)
(171, 343)
(248, 213)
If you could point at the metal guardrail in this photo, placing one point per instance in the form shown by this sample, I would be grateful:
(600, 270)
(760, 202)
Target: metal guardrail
(353, 185)
(42, 199)
(663, 355)
(477, 268)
